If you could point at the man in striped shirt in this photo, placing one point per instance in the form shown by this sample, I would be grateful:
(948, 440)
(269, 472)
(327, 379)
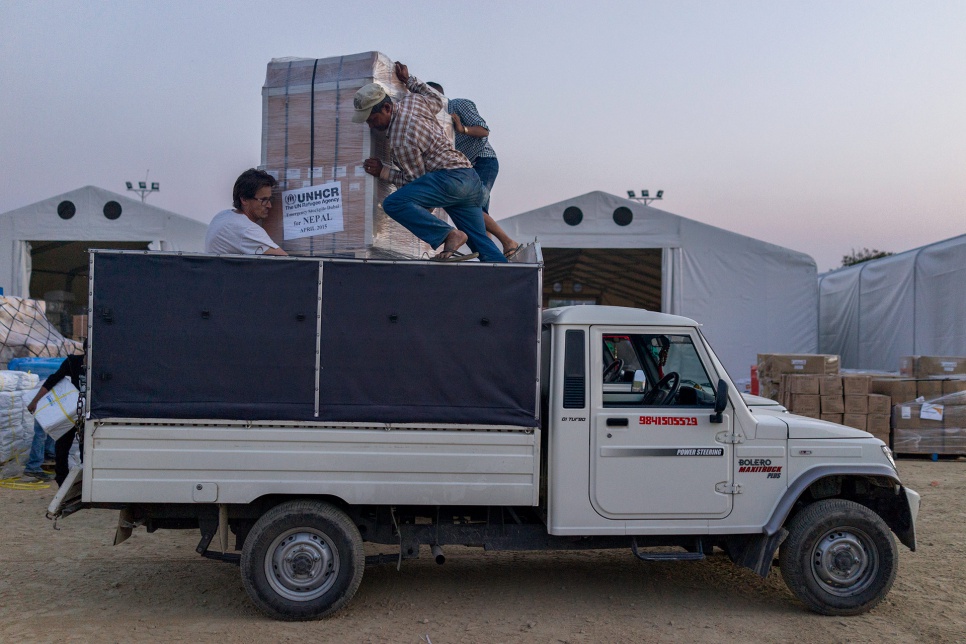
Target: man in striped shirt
(472, 134)
(428, 170)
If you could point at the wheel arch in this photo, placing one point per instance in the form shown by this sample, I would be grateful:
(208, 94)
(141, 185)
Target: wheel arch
(881, 492)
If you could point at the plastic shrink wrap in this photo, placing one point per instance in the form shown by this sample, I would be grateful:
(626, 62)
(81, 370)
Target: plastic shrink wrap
(935, 426)
(309, 139)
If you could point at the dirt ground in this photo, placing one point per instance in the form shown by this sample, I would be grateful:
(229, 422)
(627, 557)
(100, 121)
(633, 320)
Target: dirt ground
(71, 584)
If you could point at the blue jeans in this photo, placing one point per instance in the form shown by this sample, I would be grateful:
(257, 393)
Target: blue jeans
(487, 168)
(41, 443)
(460, 193)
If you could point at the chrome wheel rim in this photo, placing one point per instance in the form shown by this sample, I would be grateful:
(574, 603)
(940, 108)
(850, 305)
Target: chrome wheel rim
(844, 562)
(301, 564)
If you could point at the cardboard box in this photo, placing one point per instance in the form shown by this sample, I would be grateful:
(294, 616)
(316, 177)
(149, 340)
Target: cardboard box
(309, 139)
(857, 404)
(830, 386)
(832, 418)
(80, 327)
(878, 424)
(954, 441)
(917, 441)
(879, 404)
(771, 365)
(833, 404)
(803, 384)
(923, 366)
(899, 391)
(929, 389)
(855, 385)
(909, 416)
(858, 421)
(954, 385)
(954, 417)
(806, 405)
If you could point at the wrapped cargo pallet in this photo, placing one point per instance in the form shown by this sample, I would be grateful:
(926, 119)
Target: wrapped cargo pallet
(309, 139)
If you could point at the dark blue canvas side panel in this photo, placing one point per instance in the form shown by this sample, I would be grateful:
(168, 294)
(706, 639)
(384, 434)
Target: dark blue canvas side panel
(438, 343)
(203, 337)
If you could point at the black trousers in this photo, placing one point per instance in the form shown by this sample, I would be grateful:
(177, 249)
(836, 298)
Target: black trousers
(62, 449)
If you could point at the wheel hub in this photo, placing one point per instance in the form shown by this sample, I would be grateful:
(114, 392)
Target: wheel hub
(843, 562)
(301, 564)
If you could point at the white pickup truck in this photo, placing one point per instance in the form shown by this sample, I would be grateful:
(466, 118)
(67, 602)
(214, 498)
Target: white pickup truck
(304, 406)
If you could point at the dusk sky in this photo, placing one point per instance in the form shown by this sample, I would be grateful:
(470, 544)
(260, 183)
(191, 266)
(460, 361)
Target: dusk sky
(821, 126)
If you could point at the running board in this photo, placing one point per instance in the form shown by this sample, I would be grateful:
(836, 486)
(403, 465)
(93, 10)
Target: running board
(696, 555)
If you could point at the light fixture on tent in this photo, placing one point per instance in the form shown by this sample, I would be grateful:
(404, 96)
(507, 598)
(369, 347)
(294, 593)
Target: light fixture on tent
(645, 197)
(142, 188)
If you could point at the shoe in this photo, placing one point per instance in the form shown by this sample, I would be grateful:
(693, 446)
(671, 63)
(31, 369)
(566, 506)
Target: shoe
(454, 256)
(40, 475)
(513, 251)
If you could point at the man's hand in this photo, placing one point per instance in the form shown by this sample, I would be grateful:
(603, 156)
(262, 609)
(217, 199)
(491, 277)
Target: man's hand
(402, 72)
(373, 166)
(457, 123)
(32, 407)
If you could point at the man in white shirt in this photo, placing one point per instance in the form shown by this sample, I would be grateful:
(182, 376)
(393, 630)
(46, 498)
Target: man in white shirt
(238, 231)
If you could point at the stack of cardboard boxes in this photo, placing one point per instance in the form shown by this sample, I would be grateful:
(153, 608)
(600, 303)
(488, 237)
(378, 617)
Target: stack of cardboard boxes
(772, 366)
(920, 411)
(931, 417)
(843, 399)
(309, 139)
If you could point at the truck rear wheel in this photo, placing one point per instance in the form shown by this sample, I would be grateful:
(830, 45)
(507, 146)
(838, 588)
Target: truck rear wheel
(302, 560)
(839, 557)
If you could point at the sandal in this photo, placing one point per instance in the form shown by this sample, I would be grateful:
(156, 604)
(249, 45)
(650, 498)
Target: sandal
(510, 254)
(454, 256)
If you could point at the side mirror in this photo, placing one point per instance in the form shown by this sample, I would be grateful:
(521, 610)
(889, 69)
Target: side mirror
(638, 385)
(720, 401)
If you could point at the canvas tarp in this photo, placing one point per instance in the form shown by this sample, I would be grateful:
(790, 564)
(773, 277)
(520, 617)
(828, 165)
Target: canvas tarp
(912, 303)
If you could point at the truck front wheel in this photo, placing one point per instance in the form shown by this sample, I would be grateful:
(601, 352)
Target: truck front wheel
(302, 560)
(839, 557)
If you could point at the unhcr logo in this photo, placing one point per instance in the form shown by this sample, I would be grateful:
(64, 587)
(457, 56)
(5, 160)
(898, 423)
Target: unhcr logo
(289, 200)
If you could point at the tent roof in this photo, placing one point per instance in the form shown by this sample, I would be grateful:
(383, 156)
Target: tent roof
(599, 227)
(958, 240)
(134, 220)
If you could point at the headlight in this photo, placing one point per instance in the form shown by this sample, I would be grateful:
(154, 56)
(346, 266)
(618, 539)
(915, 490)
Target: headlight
(888, 455)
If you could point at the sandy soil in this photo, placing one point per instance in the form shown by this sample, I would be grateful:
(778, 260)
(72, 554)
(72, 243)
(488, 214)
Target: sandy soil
(73, 585)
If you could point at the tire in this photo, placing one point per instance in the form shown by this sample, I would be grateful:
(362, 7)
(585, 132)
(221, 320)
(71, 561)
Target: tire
(839, 558)
(302, 560)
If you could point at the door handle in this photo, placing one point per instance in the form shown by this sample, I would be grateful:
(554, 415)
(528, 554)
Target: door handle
(617, 422)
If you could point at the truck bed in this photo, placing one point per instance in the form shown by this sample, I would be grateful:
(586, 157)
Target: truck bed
(160, 461)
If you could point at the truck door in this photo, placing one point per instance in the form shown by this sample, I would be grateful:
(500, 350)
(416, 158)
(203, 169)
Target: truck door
(655, 454)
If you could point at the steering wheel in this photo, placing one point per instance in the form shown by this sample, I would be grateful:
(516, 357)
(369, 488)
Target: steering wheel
(613, 370)
(657, 396)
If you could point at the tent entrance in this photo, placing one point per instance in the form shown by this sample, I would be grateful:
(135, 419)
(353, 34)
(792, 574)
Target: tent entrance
(58, 275)
(609, 276)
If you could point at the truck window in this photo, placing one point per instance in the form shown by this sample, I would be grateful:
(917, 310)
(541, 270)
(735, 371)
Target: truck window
(674, 373)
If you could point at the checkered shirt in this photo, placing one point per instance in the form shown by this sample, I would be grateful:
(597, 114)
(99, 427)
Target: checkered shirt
(471, 146)
(417, 142)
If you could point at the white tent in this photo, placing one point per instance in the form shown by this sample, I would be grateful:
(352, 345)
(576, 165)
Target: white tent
(913, 303)
(89, 214)
(751, 296)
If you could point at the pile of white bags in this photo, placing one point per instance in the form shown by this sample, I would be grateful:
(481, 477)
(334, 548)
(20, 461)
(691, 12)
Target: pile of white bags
(17, 389)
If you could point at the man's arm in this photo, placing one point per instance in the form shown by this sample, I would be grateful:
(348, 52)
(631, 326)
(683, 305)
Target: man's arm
(32, 406)
(467, 120)
(275, 251)
(417, 86)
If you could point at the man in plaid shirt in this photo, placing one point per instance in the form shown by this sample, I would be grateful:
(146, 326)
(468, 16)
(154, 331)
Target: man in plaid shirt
(428, 170)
